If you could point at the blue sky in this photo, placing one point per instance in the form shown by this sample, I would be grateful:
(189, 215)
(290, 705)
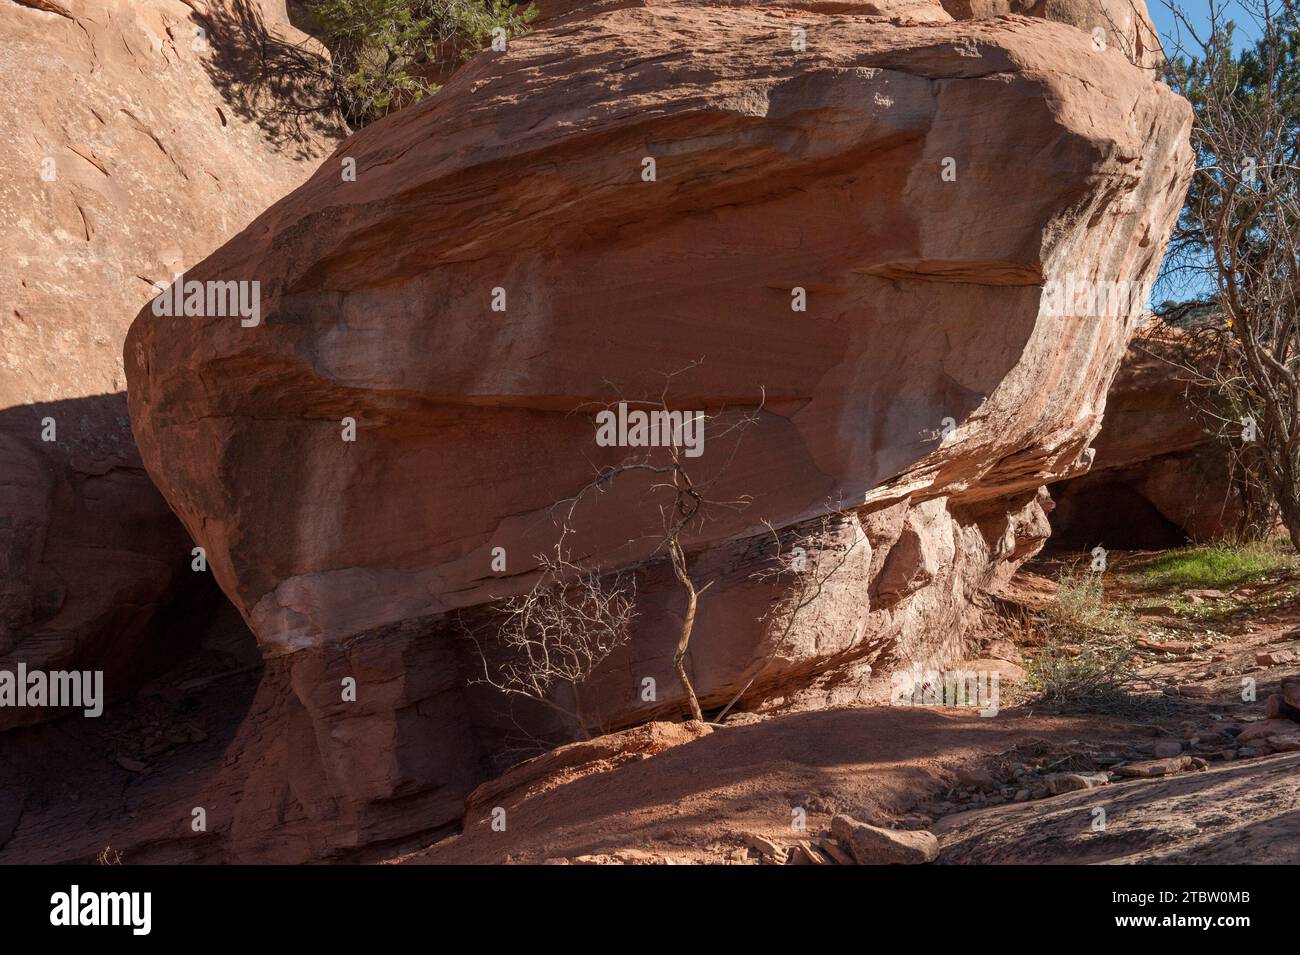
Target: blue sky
(1198, 12)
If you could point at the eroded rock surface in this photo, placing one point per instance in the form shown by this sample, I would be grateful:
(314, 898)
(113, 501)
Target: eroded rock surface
(922, 398)
(1239, 813)
(1120, 23)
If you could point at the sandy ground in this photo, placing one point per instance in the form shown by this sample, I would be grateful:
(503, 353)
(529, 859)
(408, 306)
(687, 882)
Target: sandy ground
(717, 798)
(873, 763)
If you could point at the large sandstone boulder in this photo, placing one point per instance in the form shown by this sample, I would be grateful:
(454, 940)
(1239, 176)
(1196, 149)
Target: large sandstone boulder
(921, 400)
(129, 156)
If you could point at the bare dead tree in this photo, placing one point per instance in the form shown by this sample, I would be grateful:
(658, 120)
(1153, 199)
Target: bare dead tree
(688, 502)
(807, 577)
(574, 616)
(556, 635)
(1243, 211)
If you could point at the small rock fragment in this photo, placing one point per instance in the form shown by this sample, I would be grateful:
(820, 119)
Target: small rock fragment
(766, 848)
(1149, 768)
(1275, 658)
(832, 849)
(803, 853)
(1291, 692)
(1283, 744)
(1266, 728)
(1059, 783)
(1276, 707)
(871, 845)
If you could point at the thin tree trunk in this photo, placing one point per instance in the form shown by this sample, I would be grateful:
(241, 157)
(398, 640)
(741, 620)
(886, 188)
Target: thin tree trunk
(579, 716)
(688, 623)
(1291, 518)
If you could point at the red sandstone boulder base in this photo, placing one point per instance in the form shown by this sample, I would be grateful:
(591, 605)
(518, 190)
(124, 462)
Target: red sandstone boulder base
(628, 193)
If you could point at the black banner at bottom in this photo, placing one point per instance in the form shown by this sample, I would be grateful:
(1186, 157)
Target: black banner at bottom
(340, 904)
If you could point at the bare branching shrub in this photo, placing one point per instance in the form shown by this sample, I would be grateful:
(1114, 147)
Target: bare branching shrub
(1202, 356)
(573, 618)
(687, 500)
(1099, 676)
(556, 635)
(1241, 224)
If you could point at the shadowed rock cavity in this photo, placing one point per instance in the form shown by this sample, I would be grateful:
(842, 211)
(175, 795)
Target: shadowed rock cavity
(1160, 477)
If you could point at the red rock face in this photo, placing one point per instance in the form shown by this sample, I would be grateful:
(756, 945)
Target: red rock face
(131, 163)
(1121, 24)
(923, 396)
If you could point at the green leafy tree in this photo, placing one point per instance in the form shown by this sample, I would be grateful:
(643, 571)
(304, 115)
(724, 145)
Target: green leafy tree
(385, 54)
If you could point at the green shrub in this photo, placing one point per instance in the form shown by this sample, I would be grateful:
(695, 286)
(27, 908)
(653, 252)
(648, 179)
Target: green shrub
(385, 53)
(1097, 675)
(1085, 650)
